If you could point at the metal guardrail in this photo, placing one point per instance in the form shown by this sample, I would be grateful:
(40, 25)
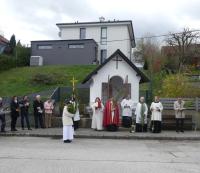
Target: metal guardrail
(190, 103)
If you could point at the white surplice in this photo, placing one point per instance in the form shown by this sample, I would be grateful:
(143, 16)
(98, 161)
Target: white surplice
(97, 117)
(156, 111)
(127, 106)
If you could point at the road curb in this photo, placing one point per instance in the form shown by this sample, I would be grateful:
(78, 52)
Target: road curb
(126, 137)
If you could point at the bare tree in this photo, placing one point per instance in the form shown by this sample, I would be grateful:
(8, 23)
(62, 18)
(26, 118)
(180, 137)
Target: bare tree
(147, 51)
(183, 45)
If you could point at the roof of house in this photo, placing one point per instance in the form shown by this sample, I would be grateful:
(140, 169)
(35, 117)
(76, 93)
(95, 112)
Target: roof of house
(144, 78)
(103, 23)
(71, 40)
(172, 50)
(3, 40)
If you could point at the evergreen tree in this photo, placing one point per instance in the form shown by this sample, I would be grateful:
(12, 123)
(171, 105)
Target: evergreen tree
(12, 43)
(19, 44)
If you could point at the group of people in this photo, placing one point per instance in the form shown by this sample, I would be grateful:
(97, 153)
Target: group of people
(20, 108)
(108, 117)
(104, 117)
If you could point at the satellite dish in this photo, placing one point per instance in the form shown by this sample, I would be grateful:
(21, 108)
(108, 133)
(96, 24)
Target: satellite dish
(101, 19)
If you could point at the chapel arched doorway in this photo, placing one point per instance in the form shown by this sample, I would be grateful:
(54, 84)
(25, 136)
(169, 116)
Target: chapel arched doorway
(115, 88)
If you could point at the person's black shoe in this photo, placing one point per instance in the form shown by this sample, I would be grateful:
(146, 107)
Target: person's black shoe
(29, 129)
(13, 130)
(22, 128)
(182, 131)
(177, 131)
(66, 141)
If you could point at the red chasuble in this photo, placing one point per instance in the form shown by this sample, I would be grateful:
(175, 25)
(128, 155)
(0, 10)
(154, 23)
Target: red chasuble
(107, 120)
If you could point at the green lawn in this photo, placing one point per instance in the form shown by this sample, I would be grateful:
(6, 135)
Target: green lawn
(17, 81)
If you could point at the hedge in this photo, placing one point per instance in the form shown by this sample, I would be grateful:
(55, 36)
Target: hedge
(7, 62)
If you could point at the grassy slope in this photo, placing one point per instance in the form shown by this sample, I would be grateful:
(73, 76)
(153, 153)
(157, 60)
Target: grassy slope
(17, 81)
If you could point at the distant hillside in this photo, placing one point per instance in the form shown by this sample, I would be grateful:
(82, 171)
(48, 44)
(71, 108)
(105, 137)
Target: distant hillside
(26, 80)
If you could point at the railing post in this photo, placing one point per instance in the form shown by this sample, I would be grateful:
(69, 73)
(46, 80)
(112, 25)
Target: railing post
(197, 113)
(197, 104)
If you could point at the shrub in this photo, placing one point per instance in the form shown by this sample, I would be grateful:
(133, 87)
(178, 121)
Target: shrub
(178, 85)
(23, 56)
(48, 79)
(7, 62)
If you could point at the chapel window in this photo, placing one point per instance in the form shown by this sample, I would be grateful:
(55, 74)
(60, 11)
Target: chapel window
(49, 46)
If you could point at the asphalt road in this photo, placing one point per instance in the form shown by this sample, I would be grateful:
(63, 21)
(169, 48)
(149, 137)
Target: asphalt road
(46, 155)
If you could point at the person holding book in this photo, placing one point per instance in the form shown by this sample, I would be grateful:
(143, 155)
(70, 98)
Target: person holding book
(179, 114)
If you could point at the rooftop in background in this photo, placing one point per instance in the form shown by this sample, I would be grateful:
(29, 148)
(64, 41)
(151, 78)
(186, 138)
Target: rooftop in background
(3, 40)
(68, 52)
(192, 52)
(71, 40)
(172, 50)
(103, 23)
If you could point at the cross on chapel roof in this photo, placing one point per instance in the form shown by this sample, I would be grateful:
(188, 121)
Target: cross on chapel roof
(144, 78)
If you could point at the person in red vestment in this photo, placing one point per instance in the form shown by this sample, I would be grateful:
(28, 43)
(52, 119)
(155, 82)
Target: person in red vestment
(111, 115)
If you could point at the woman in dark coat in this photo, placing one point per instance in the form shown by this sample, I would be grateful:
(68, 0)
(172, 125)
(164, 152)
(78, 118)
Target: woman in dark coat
(14, 106)
(2, 116)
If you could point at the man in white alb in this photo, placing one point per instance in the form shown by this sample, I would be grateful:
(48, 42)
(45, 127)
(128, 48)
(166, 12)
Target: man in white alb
(156, 115)
(141, 116)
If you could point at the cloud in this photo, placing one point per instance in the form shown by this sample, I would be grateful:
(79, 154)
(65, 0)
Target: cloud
(35, 20)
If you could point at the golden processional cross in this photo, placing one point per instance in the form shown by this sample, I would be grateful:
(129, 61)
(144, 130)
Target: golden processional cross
(73, 81)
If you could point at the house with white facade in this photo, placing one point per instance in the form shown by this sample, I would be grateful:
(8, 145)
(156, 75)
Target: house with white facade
(109, 36)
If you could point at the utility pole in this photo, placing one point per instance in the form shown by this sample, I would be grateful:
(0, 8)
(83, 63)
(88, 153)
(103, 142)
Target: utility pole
(16, 55)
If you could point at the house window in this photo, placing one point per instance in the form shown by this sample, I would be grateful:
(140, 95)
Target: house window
(76, 46)
(41, 47)
(103, 35)
(82, 33)
(103, 55)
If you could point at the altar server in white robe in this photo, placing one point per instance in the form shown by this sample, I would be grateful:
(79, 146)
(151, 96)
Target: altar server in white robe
(76, 118)
(156, 116)
(97, 118)
(68, 130)
(127, 106)
(141, 116)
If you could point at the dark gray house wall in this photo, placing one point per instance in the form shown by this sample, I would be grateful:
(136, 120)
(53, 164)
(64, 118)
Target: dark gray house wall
(69, 52)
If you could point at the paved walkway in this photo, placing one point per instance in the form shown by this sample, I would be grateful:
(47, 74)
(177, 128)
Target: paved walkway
(47, 155)
(121, 134)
